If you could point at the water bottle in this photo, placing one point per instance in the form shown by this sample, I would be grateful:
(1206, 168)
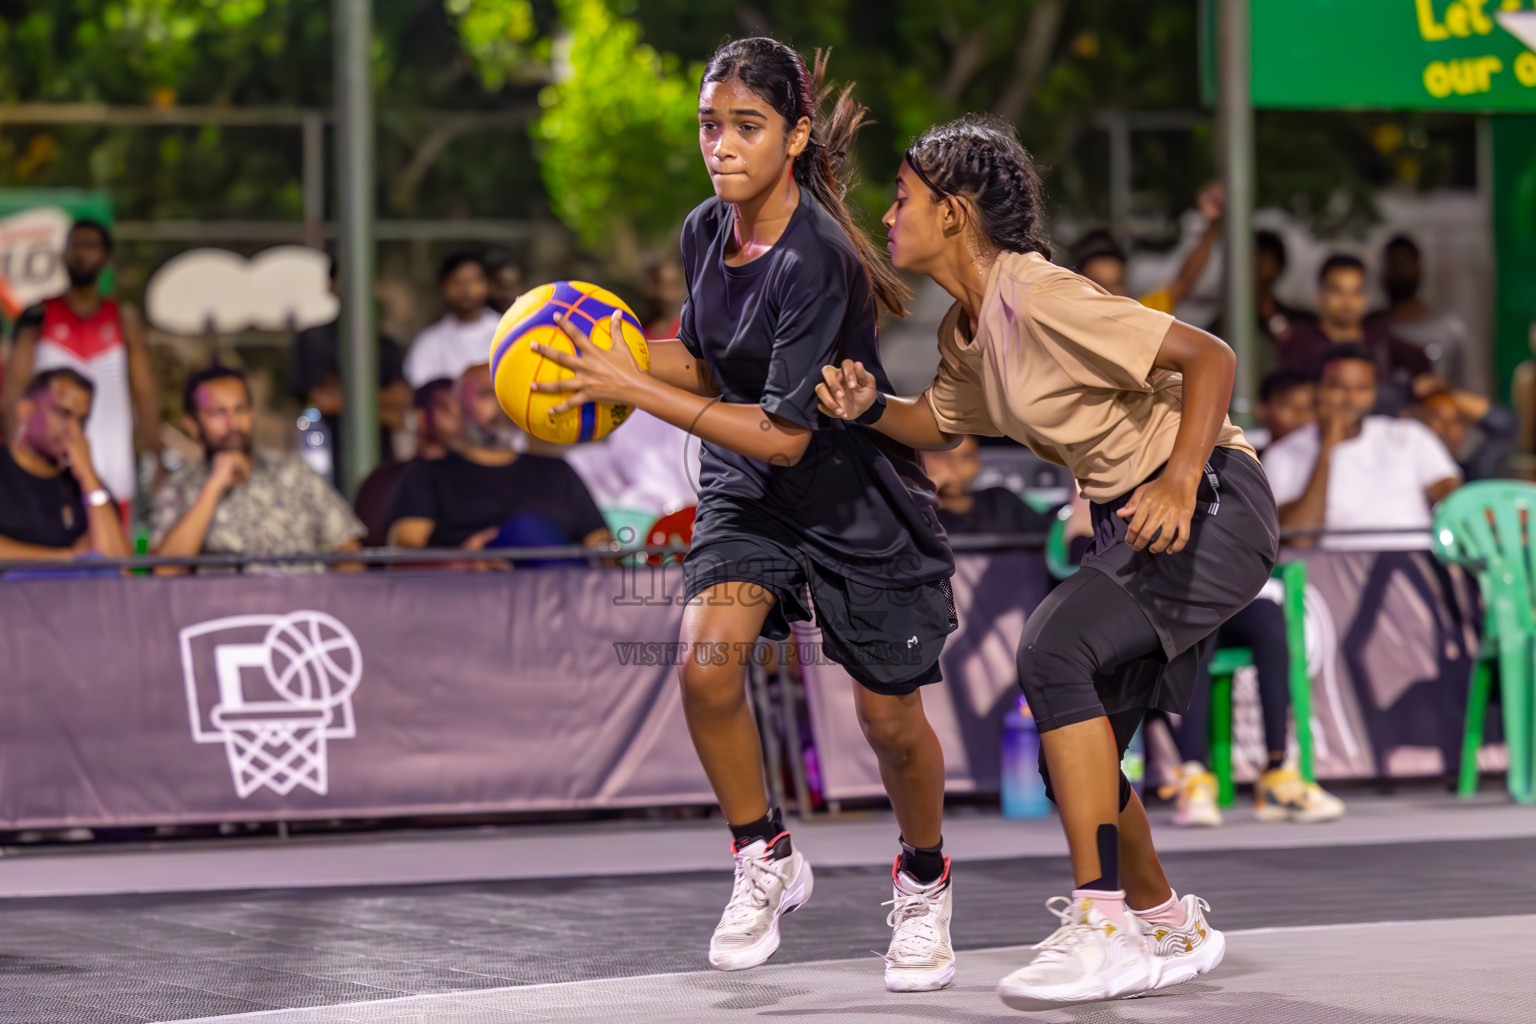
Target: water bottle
(1023, 788)
(315, 441)
(1134, 763)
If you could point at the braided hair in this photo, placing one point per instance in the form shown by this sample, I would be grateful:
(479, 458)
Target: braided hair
(979, 158)
(778, 74)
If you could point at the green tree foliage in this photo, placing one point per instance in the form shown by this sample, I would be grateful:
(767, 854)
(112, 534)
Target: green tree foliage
(617, 156)
(619, 134)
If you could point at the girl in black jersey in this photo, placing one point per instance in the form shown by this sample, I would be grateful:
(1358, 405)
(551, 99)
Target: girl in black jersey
(797, 512)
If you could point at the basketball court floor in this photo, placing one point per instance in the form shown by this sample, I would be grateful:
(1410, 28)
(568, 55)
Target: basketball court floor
(1412, 909)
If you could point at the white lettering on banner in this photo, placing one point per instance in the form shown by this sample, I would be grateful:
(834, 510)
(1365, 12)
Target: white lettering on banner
(309, 660)
(31, 255)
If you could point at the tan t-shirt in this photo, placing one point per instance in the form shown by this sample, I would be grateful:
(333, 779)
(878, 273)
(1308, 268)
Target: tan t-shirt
(1062, 366)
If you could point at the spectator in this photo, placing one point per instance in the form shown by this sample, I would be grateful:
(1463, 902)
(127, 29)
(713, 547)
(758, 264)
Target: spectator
(666, 289)
(103, 342)
(1101, 260)
(1442, 335)
(314, 377)
(991, 510)
(1276, 320)
(1522, 397)
(506, 282)
(1483, 451)
(1341, 305)
(1287, 400)
(53, 506)
(462, 337)
(376, 493)
(473, 494)
(486, 424)
(1351, 470)
(240, 501)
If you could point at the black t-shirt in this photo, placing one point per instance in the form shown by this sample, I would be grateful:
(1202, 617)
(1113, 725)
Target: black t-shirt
(46, 511)
(996, 510)
(857, 502)
(463, 497)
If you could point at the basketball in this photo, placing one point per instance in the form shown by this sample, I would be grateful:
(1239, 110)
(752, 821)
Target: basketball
(514, 364)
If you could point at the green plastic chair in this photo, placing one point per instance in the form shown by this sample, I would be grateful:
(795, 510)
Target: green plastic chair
(629, 528)
(1058, 561)
(1293, 575)
(1485, 528)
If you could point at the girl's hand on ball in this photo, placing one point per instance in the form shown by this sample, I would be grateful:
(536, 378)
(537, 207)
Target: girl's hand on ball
(598, 374)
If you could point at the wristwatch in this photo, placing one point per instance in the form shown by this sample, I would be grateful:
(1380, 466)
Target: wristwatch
(99, 497)
(874, 412)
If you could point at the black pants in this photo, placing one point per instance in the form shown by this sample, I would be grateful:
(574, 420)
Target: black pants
(1101, 656)
(1260, 627)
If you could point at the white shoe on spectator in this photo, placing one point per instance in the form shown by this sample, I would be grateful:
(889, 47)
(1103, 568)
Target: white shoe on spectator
(1195, 789)
(1283, 795)
(766, 888)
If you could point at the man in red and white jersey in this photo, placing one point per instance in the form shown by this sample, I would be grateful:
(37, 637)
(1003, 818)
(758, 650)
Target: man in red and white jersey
(105, 343)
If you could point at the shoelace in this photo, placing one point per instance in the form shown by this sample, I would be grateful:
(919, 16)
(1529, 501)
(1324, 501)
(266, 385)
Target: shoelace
(749, 894)
(913, 933)
(1073, 934)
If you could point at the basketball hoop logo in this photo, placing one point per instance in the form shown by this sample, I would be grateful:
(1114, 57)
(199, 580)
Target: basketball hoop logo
(308, 660)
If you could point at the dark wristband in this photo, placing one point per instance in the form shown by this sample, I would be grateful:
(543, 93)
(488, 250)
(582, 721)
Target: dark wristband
(872, 415)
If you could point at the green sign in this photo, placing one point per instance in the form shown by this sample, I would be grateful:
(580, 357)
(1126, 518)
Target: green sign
(1514, 236)
(33, 226)
(1457, 55)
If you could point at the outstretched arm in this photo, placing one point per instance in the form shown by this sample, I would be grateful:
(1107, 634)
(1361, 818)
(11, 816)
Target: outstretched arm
(848, 391)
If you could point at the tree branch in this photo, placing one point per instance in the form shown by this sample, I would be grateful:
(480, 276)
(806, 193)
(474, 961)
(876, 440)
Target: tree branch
(1032, 57)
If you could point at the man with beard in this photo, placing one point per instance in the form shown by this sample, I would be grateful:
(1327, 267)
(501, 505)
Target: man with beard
(103, 342)
(53, 506)
(1440, 333)
(241, 501)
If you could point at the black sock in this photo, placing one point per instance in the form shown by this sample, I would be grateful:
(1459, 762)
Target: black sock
(1275, 760)
(926, 866)
(1109, 861)
(767, 828)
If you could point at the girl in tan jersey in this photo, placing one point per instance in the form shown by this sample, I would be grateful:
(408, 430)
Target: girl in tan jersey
(1134, 403)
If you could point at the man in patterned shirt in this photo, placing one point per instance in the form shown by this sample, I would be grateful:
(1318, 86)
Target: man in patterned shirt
(239, 501)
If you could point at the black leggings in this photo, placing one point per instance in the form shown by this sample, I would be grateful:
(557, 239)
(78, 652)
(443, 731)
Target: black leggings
(1075, 661)
(1260, 627)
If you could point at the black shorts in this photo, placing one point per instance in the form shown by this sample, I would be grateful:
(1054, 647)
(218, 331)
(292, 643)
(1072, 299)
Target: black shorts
(887, 639)
(1151, 660)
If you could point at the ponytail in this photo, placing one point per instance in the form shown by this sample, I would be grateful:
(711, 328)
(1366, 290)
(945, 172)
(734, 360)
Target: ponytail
(778, 73)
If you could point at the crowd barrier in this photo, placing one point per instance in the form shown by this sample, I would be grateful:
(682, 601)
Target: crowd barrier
(138, 700)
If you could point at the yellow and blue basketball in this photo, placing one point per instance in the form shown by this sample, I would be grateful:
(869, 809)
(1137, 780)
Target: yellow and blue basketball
(514, 364)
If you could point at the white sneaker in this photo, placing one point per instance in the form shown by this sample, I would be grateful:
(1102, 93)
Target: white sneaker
(1283, 795)
(1087, 959)
(920, 958)
(1196, 791)
(1187, 951)
(764, 891)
